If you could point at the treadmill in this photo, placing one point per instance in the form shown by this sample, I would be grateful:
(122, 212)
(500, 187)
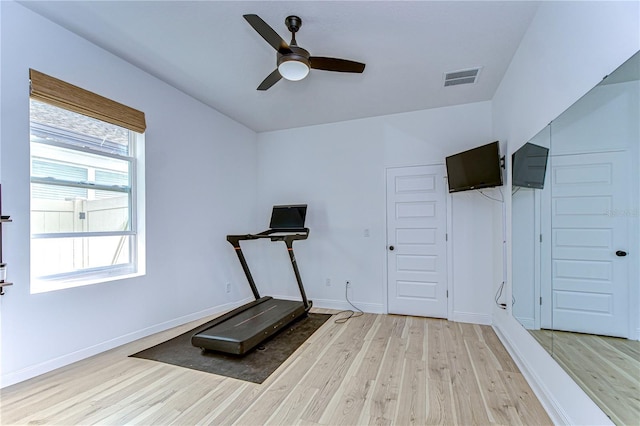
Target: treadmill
(244, 328)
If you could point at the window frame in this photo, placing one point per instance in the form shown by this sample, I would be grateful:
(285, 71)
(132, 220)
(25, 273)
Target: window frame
(135, 161)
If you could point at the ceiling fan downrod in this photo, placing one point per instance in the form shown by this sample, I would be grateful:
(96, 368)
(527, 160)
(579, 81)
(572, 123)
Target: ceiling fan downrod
(293, 23)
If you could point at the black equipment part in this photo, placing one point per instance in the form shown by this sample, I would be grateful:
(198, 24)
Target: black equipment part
(251, 325)
(245, 327)
(294, 52)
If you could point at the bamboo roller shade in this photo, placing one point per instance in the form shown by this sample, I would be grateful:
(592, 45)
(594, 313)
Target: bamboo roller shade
(56, 92)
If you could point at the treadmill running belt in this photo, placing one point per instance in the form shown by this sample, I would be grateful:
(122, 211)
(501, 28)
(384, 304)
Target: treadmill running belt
(245, 330)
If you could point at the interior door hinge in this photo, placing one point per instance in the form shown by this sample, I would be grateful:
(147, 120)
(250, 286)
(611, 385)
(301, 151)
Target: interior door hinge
(447, 293)
(446, 237)
(540, 300)
(540, 237)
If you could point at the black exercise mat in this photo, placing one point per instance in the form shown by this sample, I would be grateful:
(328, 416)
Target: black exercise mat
(255, 366)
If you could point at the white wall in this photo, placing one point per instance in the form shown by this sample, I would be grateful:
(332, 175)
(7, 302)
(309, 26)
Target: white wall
(200, 176)
(568, 48)
(339, 171)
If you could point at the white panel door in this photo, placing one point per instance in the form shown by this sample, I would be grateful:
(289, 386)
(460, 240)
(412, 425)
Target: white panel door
(589, 235)
(416, 241)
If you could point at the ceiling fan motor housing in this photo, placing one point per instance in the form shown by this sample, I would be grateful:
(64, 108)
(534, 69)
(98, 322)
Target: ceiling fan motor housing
(297, 54)
(295, 65)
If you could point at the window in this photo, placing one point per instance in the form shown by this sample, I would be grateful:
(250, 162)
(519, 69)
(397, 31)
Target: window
(85, 193)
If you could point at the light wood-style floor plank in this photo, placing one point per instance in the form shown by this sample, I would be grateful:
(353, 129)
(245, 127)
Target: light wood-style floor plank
(607, 369)
(374, 369)
(469, 407)
(412, 399)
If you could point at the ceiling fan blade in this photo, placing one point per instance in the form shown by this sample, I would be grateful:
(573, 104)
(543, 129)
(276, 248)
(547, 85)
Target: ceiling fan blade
(267, 33)
(335, 64)
(271, 79)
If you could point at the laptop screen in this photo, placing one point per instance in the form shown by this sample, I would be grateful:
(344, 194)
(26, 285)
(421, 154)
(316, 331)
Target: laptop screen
(288, 217)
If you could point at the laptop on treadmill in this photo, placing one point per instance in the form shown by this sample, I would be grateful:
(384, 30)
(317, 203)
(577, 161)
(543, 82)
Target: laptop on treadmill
(288, 218)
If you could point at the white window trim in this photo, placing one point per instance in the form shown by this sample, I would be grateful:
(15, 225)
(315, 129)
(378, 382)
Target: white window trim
(137, 268)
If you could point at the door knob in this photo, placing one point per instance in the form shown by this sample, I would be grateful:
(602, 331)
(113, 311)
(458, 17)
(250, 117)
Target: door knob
(391, 248)
(621, 253)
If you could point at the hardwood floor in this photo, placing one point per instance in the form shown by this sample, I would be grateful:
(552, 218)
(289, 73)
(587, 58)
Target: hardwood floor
(375, 369)
(607, 368)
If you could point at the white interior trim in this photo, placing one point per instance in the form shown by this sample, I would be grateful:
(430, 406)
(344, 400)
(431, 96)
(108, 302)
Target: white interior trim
(565, 401)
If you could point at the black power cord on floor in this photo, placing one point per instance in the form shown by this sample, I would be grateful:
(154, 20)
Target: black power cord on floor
(357, 312)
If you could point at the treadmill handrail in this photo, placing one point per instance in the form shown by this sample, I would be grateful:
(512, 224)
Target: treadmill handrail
(283, 234)
(288, 236)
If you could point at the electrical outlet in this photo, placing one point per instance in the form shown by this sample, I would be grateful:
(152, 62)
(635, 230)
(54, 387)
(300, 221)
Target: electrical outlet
(228, 287)
(328, 282)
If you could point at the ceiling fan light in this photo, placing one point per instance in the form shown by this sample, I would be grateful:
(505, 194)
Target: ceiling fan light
(293, 69)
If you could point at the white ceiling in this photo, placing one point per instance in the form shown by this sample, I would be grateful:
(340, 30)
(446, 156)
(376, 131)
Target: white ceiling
(207, 50)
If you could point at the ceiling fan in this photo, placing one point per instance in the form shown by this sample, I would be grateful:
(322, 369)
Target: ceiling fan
(293, 61)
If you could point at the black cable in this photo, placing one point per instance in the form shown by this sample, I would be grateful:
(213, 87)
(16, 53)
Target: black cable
(357, 312)
(498, 295)
(491, 198)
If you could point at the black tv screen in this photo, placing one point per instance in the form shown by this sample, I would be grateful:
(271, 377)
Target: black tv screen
(529, 166)
(476, 168)
(288, 217)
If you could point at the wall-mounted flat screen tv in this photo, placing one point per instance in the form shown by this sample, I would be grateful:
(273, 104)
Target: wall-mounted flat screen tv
(529, 166)
(476, 168)
(288, 217)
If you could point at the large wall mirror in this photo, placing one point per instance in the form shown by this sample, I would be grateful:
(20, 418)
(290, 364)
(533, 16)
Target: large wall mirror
(576, 241)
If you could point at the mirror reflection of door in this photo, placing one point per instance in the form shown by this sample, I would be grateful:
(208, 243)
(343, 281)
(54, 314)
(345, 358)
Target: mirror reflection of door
(590, 198)
(590, 283)
(575, 246)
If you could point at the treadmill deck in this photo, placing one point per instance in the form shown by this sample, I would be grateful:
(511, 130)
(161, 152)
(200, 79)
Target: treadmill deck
(244, 330)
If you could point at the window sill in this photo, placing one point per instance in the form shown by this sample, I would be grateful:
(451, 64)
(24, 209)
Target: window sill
(45, 286)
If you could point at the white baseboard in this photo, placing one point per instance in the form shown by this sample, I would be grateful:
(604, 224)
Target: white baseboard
(564, 401)
(472, 318)
(8, 379)
(343, 305)
(340, 305)
(556, 413)
(528, 323)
